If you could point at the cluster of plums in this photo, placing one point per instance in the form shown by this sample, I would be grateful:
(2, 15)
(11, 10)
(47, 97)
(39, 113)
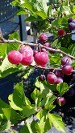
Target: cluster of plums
(71, 26)
(57, 76)
(26, 55)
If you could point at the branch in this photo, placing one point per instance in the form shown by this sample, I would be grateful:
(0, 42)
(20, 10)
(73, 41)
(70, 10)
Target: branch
(67, 34)
(36, 45)
(49, 68)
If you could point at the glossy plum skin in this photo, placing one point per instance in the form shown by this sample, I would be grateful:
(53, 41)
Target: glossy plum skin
(71, 26)
(43, 37)
(61, 32)
(59, 74)
(66, 61)
(25, 50)
(41, 58)
(59, 80)
(67, 69)
(27, 59)
(27, 54)
(15, 57)
(51, 78)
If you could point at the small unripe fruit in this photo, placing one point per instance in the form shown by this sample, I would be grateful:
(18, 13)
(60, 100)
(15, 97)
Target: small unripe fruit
(66, 61)
(67, 70)
(43, 37)
(15, 57)
(51, 78)
(42, 77)
(59, 80)
(61, 32)
(41, 58)
(71, 26)
(61, 101)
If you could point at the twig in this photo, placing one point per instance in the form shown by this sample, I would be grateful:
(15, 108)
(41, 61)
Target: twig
(36, 45)
(49, 68)
(59, 37)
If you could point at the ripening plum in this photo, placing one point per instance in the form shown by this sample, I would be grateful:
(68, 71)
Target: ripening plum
(51, 78)
(67, 69)
(61, 32)
(41, 58)
(66, 61)
(61, 101)
(43, 37)
(15, 57)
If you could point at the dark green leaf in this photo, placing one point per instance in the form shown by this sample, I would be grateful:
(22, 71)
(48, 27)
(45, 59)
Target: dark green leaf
(31, 19)
(17, 99)
(28, 111)
(5, 125)
(35, 94)
(7, 113)
(26, 128)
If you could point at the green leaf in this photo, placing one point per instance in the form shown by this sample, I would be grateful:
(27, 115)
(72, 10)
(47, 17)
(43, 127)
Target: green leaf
(7, 68)
(33, 126)
(15, 116)
(14, 3)
(44, 5)
(31, 18)
(17, 99)
(26, 129)
(57, 122)
(3, 104)
(6, 65)
(29, 127)
(7, 113)
(47, 102)
(14, 35)
(21, 12)
(42, 14)
(12, 103)
(39, 85)
(62, 88)
(41, 113)
(5, 126)
(35, 94)
(49, 10)
(3, 50)
(28, 6)
(43, 125)
(28, 111)
(40, 125)
(72, 49)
